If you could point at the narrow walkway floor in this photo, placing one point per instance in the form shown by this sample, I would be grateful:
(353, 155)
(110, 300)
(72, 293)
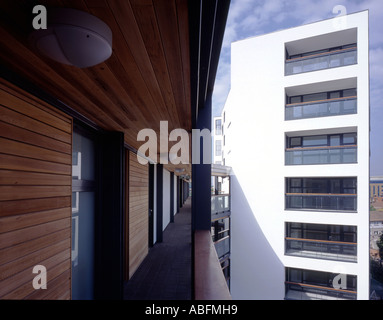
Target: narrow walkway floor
(166, 272)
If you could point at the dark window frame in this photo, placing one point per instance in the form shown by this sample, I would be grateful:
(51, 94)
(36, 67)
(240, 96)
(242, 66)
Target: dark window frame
(326, 230)
(340, 91)
(328, 182)
(303, 55)
(328, 144)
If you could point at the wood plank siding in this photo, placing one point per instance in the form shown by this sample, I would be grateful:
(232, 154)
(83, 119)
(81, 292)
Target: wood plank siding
(35, 196)
(138, 221)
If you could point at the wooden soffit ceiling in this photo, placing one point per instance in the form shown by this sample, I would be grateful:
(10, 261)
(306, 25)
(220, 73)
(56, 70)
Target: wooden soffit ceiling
(145, 81)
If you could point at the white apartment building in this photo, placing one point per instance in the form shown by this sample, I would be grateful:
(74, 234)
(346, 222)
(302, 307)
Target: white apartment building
(297, 138)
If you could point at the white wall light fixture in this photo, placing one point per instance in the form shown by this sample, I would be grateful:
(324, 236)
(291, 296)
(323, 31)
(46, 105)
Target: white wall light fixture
(74, 38)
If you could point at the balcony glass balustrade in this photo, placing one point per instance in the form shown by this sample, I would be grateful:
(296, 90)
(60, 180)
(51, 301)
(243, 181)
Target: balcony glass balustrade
(318, 249)
(320, 61)
(323, 108)
(303, 284)
(220, 217)
(302, 291)
(222, 246)
(220, 203)
(321, 155)
(331, 202)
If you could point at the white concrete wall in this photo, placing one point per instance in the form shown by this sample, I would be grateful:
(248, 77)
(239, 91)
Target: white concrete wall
(256, 140)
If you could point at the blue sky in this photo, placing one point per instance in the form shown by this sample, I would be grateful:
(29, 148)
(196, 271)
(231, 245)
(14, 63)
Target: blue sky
(248, 18)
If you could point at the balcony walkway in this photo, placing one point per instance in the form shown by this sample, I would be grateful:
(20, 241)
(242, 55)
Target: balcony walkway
(166, 272)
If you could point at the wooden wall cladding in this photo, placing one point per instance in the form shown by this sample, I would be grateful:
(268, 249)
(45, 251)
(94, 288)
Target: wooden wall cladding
(138, 212)
(35, 196)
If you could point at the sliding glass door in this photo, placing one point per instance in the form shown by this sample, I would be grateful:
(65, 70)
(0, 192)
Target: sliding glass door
(83, 215)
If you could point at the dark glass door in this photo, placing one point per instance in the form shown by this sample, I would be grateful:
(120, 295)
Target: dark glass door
(83, 215)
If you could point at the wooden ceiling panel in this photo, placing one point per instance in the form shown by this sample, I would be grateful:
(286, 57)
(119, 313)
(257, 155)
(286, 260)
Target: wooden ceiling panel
(167, 17)
(123, 13)
(145, 81)
(147, 21)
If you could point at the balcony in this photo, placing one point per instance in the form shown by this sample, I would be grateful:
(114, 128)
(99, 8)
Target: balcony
(312, 201)
(319, 249)
(302, 291)
(321, 155)
(333, 194)
(303, 284)
(220, 203)
(321, 241)
(322, 108)
(220, 216)
(322, 60)
(220, 232)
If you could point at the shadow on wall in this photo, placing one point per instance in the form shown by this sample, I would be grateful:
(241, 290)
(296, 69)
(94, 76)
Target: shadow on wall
(256, 271)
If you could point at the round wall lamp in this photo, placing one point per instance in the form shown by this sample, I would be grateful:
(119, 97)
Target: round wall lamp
(74, 38)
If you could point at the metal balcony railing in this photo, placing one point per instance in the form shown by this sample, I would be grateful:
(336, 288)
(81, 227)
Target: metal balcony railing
(321, 155)
(319, 61)
(304, 291)
(220, 203)
(321, 201)
(321, 108)
(320, 249)
(222, 246)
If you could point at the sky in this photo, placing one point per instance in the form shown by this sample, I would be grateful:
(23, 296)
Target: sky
(249, 18)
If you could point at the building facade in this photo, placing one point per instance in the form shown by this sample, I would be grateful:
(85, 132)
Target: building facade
(376, 188)
(297, 138)
(217, 140)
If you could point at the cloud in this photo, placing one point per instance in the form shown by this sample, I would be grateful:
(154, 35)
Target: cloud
(221, 87)
(376, 81)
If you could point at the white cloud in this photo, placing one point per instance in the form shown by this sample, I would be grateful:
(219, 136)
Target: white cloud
(376, 79)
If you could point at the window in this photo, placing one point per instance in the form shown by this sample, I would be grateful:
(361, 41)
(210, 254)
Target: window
(295, 142)
(321, 59)
(321, 149)
(321, 232)
(312, 97)
(321, 185)
(335, 140)
(349, 93)
(335, 94)
(218, 148)
(296, 99)
(313, 141)
(335, 194)
(349, 138)
(83, 214)
(322, 140)
(218, 127)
